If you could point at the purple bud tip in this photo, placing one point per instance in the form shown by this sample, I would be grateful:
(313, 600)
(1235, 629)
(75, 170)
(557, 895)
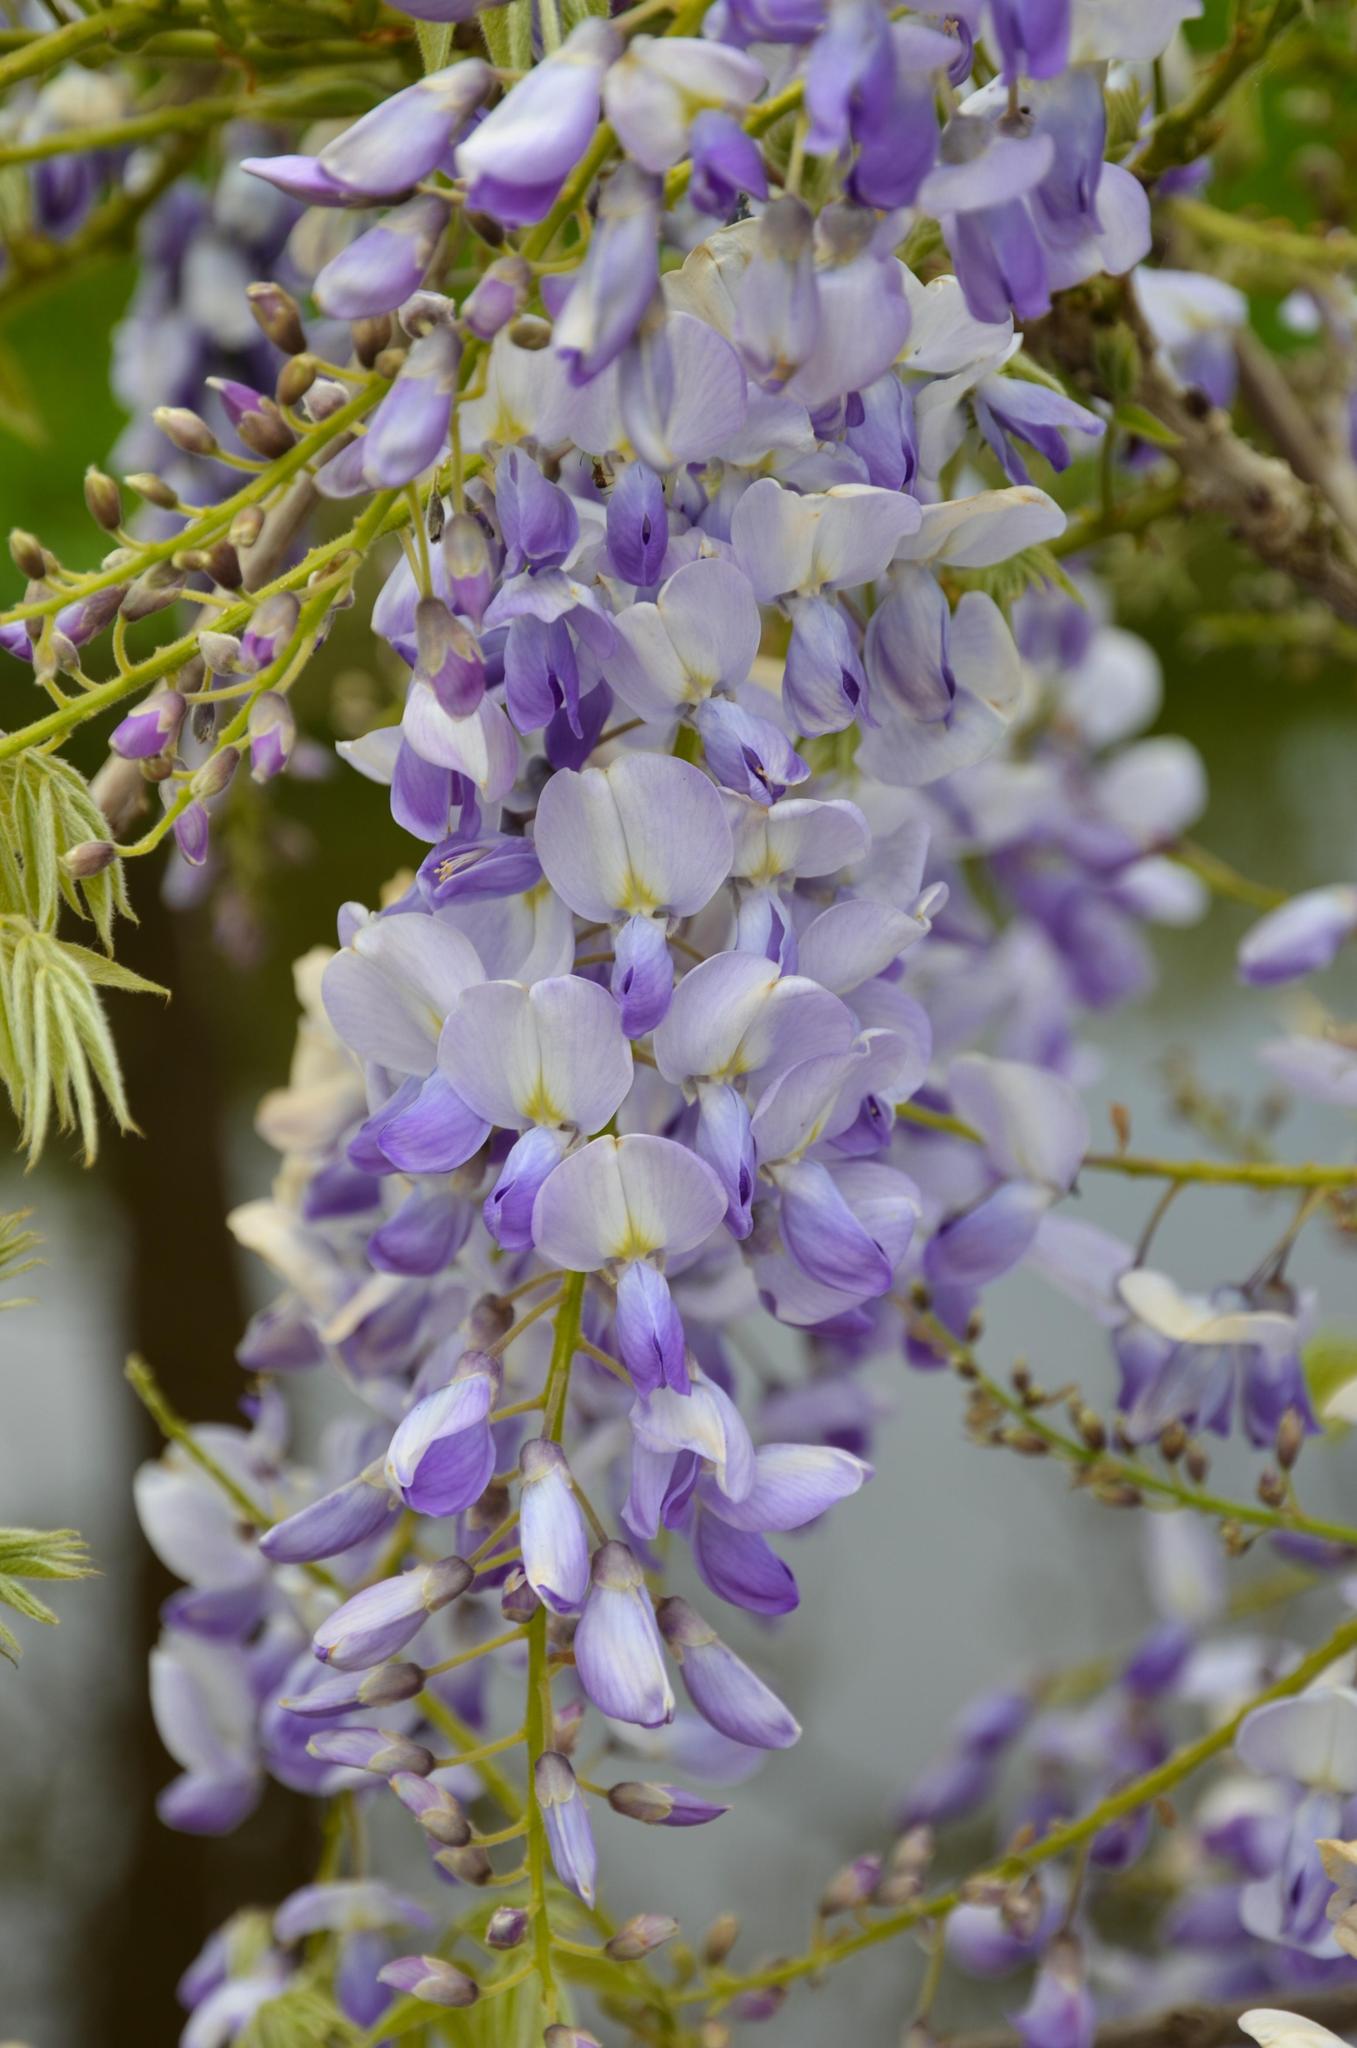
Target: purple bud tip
(507, 1927)
(431, 1979)
(438, 1811)
(639, 1935)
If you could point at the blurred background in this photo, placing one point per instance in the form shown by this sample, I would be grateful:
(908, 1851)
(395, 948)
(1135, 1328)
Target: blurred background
(957, 1567)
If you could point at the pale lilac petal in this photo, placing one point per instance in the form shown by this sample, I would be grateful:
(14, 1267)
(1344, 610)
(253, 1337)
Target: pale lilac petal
(554, 1054)
(1033, 1123)
(625, 1198)
(723, 1688)
(618, 1654)
(793, 1484)
(738, 1566)
(646, 834)
(649, 1329)
(551, 1528)
(1311, 1739)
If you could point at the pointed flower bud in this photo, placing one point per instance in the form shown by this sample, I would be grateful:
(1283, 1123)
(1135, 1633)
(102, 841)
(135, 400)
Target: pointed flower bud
(438, 1811)
(639, 1935)
(278, 315)
(507, 1927)
(91, 857)
(721, 1686)
(662, 1806)
(566, 1818)
(273, 733)
(386, 1685)
(377, 1622)
(103, 500)
(430, 1979)
(618, 1654)
(185, 429)
(151, 728)
(371, 1749)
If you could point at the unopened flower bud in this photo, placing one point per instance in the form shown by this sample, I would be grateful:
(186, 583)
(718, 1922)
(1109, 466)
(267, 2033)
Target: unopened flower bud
(851, 1887)
(273, 734)
(203, 723)
(438, 1811)
(324, 399)
(387, 1684)
(714, 2034)
(380, 1750)
(497, 297)
(639, 1935)
(491, 1317)
(466, 557)
(1197, 1463)
(214, 775)
(370, 337)
(517, 1601)
(559, 2036)
(266, 432)
(279, 316)
(30, 557)
(246, 527)
(390, 361)
(663, 1806)
(103, 500)
(220, 562)
(295, 379)
(470, 1865)
(160, 587)
(153, 489)
(89, 858)
(151, 728)
(1173, 1441)
(531, 333)
(1271, 1487)
(720, 1939)
(430, 1979)
(185, 429)
(506, 1927)
(1290, 1438)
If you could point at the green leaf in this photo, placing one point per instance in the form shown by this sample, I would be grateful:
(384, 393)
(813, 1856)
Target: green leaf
(35, 1554)
(55, 1043)
(1136, 420)
(44, 1554)
(107, 973)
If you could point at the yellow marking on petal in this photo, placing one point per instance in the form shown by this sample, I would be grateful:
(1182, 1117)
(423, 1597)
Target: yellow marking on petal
(538, 1106)
(636, 899)
(635, 1245)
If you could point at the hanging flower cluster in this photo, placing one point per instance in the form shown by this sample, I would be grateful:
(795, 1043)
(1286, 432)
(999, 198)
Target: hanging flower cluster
(778, 813)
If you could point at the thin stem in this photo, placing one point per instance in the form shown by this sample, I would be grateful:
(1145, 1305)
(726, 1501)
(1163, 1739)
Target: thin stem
(172, 1425)
(470, 1751)
(533, 1315)
(1104, 1466)
(1245, 1173)
(512, 1635)
(1058, 1841)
